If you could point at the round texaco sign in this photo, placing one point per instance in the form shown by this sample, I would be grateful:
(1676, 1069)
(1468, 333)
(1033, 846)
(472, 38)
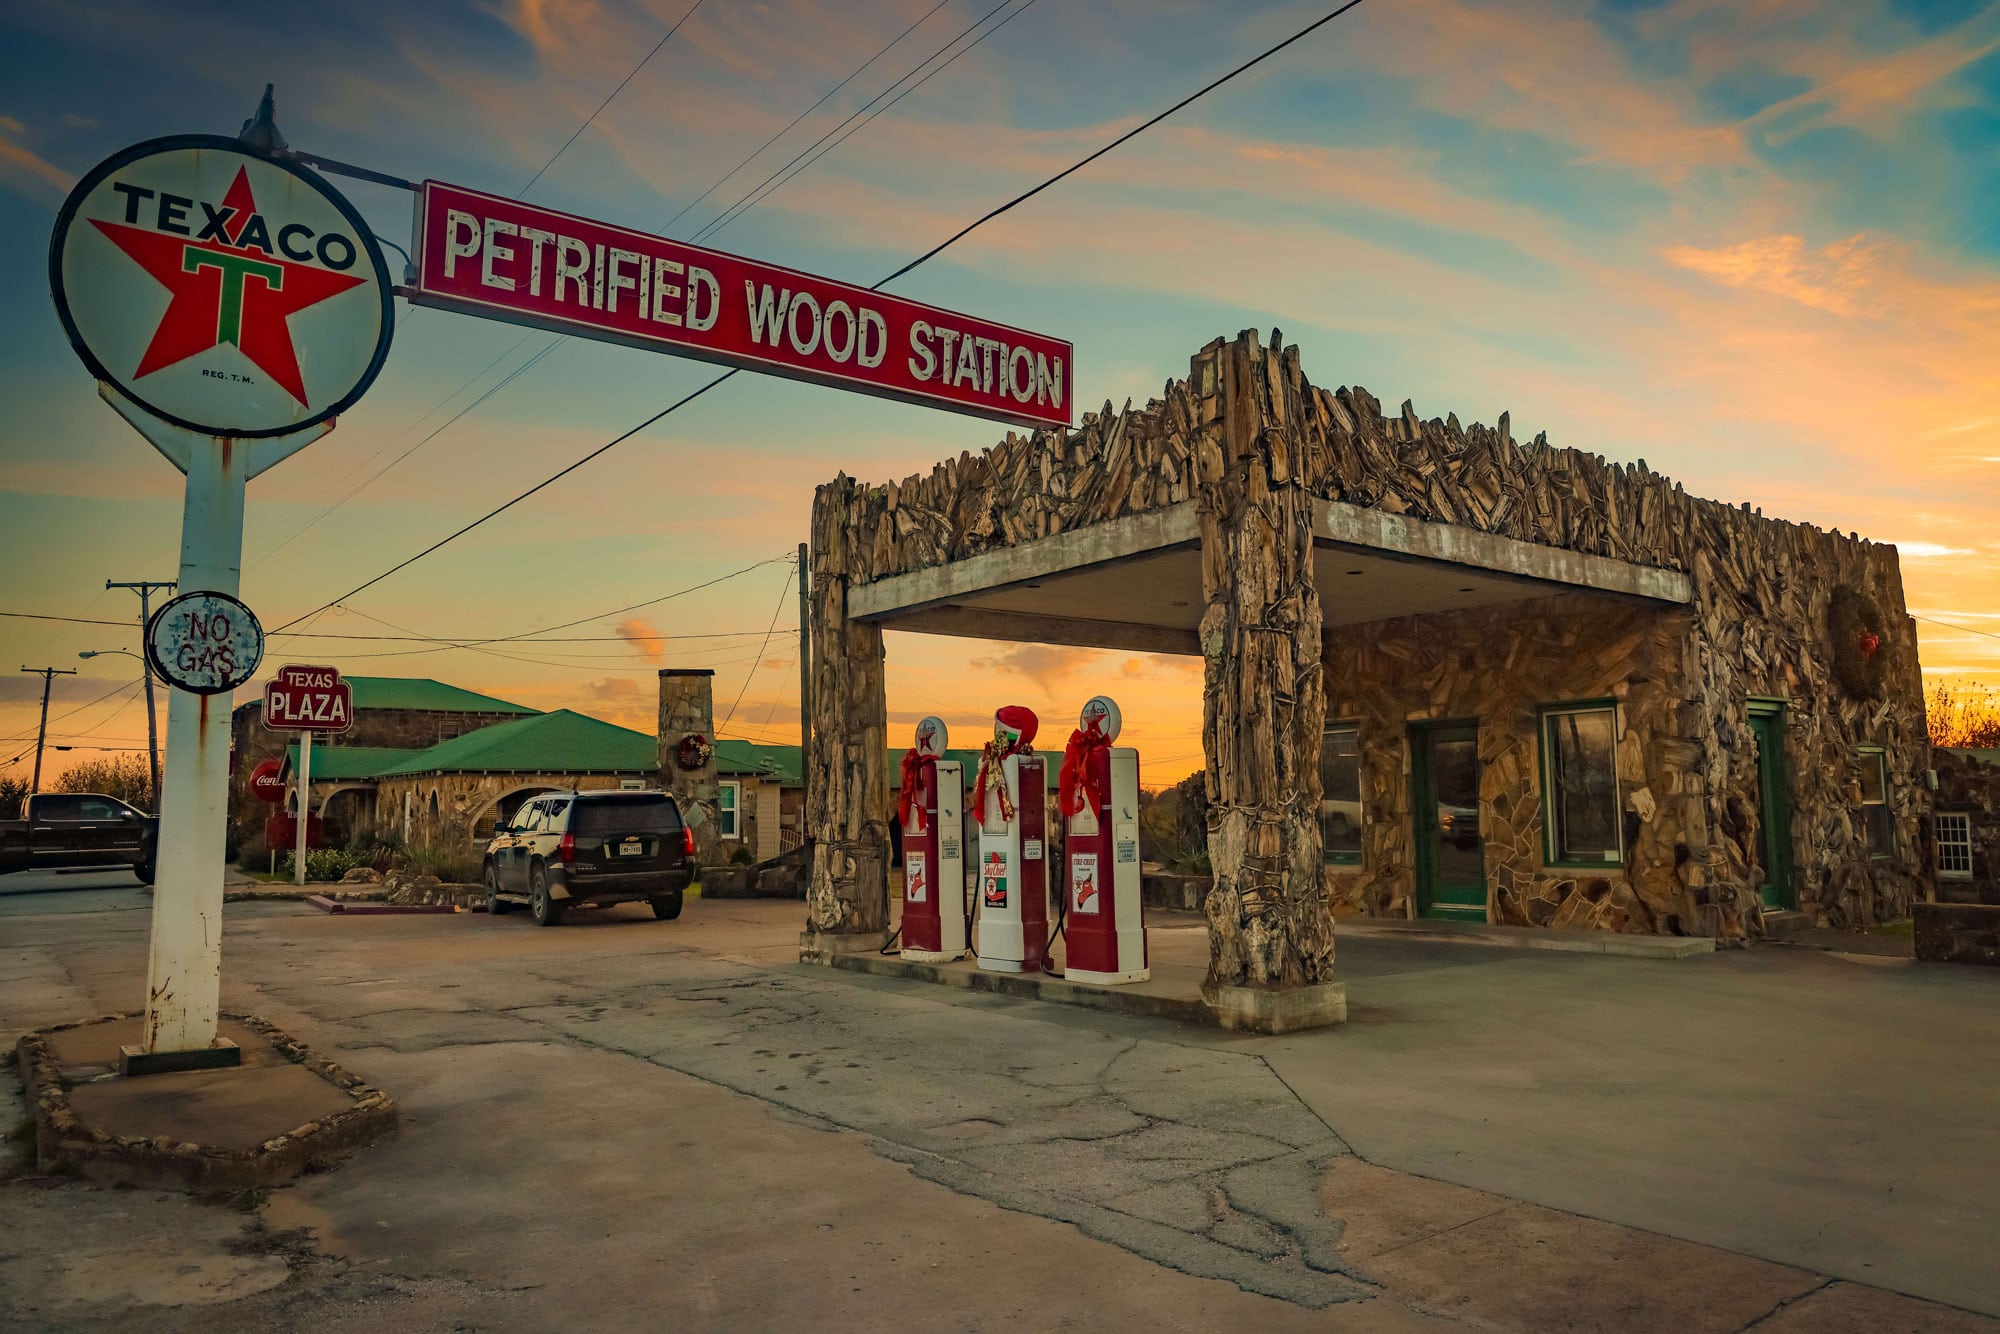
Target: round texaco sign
(207, 643)
(224, 291)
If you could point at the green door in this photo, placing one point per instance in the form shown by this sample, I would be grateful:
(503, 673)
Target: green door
(1774, 807)
(1451, 859)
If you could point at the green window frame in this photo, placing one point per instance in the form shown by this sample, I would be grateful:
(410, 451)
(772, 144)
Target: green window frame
(1340, 813)
(1878, 822)
(728, 800)
(1583, 811)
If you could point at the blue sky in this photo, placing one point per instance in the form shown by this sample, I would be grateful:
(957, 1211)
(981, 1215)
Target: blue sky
(1755, 244)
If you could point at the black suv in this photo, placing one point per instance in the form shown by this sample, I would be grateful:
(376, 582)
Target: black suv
(563, 848)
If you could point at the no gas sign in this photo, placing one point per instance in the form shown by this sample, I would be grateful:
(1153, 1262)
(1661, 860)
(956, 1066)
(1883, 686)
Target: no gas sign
(204, 642)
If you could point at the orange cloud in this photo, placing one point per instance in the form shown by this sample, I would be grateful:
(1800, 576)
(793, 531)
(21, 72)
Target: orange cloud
(642, 637)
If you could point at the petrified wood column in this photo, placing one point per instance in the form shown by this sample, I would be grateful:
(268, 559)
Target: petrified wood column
(847, 790)
(1270, 922)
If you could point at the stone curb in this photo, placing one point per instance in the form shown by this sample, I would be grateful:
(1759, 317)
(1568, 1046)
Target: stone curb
(65, 1145)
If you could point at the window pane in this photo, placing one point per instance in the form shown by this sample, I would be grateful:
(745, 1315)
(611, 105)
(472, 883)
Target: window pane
(1954, 840)
(1874, 781)
(1340, 794)
(653, 812)
(1583, 763)
(726, 796)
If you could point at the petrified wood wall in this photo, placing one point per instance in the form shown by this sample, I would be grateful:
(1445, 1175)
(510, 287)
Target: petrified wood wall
(1758, 626)
(1499, 665)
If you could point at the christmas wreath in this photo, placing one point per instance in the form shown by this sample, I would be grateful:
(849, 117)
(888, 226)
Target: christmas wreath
(694, 752)
(1859, 634)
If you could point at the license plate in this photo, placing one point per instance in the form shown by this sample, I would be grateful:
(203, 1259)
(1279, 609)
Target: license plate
(631, 847)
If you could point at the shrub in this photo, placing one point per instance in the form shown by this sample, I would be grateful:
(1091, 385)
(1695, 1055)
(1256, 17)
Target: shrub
(322, 864)
(742, 857)
(453, 865)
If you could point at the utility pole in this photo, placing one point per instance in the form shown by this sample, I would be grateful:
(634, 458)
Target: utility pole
(145, 588)
(48, 675)
(805, 689)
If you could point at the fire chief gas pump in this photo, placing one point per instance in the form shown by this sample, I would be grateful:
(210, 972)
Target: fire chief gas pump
(1104, 915)
(1010, 796)
(933, 865)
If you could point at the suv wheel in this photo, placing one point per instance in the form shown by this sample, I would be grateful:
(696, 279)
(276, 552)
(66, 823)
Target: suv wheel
(545, 910)
(667, 906)
(144, 870)
(494, 903)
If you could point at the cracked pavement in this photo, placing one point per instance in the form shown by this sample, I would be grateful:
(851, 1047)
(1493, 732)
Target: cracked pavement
(625, 1123)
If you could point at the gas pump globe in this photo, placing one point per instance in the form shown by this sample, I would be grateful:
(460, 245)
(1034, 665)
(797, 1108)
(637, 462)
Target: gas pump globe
(1104, 912)
(933, 863)
(1010, 799)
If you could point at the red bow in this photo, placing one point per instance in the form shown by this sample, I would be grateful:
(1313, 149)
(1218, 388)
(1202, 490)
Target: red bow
(1077, 789)
(1870, 641)
(992, 758)
(907, 794)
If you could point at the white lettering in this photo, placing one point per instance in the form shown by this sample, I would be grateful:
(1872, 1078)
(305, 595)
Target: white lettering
(1048, 384)
(919, 332)
(767, 314)
(872, 320)
(700, 280)
(536, 239)
(494, 250)
(1021, 374)
(846, 313)
(614, 279)
(947, 339)
(665, 289)
(597, 278)
(572, 263)
(967, 370)
(805, 347)
(461, 239)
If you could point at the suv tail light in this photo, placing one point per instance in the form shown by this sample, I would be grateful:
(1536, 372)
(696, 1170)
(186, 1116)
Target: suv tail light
(566, 852)
(687, 841)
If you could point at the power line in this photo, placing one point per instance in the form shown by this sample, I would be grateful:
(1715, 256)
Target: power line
(1949, 626)
(928, 255)
(856, 72)
(721, 219)
(721, 223)
(592, 117)
(1125, 138)
(783, 593)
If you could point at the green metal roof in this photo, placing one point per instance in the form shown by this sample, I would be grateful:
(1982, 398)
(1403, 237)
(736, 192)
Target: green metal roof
(779, 764)
(1978, 754)
(552, 743)
(420, 692)
(333, 764)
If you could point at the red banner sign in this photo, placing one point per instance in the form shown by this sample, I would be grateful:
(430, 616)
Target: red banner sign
(308, 699)
(499, 258)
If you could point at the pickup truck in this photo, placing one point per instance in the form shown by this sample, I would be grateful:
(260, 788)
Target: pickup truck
(79, 829)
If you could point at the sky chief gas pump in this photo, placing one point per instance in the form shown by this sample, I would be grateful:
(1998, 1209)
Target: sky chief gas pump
(1104, 913)
(1010, 796)
(933, 864)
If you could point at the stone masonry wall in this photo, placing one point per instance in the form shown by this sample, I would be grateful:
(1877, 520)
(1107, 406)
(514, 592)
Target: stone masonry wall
(1762, 586)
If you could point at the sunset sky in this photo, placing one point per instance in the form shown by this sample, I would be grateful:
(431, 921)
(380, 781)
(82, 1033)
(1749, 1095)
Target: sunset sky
(1754, 242)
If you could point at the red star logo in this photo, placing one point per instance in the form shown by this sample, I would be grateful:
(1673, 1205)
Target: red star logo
(236, 294)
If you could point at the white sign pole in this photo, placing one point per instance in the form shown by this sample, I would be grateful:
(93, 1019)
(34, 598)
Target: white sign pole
(184, 964)
(305, 807)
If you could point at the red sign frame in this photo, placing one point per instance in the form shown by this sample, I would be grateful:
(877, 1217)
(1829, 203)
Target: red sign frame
(295, 700)
(264, 782)
(488, 256)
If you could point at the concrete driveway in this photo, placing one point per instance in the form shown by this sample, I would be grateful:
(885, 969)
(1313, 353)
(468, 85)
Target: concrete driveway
(625, 1123)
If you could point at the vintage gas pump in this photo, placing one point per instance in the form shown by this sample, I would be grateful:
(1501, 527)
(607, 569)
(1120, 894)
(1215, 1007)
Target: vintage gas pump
(1010, 795)
(933, 864)
(1104, 913)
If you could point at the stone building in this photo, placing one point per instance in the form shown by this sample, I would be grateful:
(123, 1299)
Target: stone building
(1447, 673)
(400, 714)
(1965, 825)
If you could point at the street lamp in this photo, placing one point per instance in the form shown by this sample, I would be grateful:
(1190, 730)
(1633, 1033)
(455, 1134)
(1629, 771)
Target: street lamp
(152, 724)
